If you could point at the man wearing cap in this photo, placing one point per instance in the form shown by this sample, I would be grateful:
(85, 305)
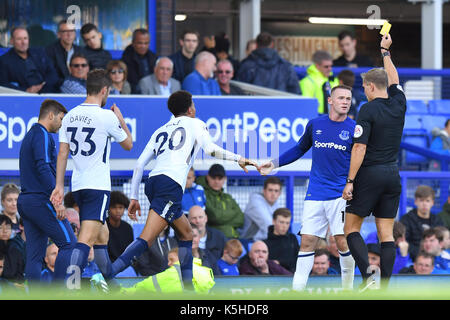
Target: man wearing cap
(222, 210)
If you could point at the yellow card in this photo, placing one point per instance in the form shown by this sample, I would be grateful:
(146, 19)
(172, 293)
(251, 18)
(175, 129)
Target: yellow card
(385, 29)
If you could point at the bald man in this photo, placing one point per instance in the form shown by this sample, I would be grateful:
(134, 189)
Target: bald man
(211, 240)
(160, 83)
(201, 81)
(258, 262)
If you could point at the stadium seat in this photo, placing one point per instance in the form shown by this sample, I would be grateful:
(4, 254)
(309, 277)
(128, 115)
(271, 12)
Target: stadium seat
(440, 107)
(419, 138)
(416, 107)
(137, 229)
(431, 121)
(128, 272)
(413, 121)
(367, 228)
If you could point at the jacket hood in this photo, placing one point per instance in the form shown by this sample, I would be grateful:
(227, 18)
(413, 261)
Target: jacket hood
(266, 57)
(313, 72)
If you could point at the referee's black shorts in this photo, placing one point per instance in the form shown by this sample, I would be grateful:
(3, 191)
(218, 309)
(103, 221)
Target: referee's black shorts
(376, 190)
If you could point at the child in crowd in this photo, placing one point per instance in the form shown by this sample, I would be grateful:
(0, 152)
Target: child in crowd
(231, 253)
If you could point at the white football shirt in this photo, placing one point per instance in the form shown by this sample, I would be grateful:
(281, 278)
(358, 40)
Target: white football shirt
(174, 147)
(88, 130)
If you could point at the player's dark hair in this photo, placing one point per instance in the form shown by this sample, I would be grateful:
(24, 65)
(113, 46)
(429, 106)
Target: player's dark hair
(52, 106)
(97, 79)
(341, 86)
(88, 27)
(424, 192)
(118, 197)
(345, 33)
(139, 31)
(272, 180)
(377, 76)
(347, 77)
(284, 212)
(264, 40)
(179, 102)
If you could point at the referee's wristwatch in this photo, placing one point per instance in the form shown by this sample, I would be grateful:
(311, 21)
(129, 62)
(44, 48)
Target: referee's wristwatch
(350, 180)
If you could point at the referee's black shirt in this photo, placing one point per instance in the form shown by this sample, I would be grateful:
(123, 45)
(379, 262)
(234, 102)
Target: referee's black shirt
(380, 126)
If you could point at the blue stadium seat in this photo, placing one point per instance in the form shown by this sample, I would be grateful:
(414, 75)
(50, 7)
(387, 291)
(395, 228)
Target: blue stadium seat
(413, 121)
(137, 229)
(440, 107)
(419, 138)
(128, 272)
(416, 106)
(433, 120)
(367, 228)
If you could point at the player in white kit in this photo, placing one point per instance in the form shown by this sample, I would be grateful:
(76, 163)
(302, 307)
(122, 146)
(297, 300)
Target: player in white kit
(173, 148)
(86, 134)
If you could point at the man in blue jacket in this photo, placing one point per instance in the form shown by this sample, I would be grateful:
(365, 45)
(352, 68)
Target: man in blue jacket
(264, 67)
(27, 69)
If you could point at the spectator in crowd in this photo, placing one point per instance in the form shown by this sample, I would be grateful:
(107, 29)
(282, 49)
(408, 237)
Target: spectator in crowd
(212, 241)
(224, 73)
(228, 264)
(347, 77)
(14, 267)
(194, 194)
(445, 232)
(205, 257)
(258, 214)
(201, 81)
(222, 49)
(27, 69)
(350, 58)
(319, 80)
(440, 143)
(48, 273)
(155, 259)
(73, 217)
(445, 213)
(62, 50)
(9, 195)
(321, 265)
(419, 219)
(250, 47)
(184, 59)
(402, 258)
(283, 245)
(423, 265)
(160, 82)
(120, 232)
(118, 72)
(19, 241)
(69, 201)
(222, 210)
(76, 82)
(264, 67)
(97, 56)
(433, 243)
(139, 59)
(209, 44)
(257, 262)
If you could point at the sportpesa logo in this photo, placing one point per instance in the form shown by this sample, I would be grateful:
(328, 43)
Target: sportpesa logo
(329, 145)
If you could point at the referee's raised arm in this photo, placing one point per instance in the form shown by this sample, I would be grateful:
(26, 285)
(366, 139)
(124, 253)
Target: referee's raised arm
(391, 71)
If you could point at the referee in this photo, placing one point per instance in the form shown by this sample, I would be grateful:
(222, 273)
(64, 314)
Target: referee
(373, 182)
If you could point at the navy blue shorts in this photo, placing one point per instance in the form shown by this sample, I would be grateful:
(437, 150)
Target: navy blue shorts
(165, 197)
(94, 204)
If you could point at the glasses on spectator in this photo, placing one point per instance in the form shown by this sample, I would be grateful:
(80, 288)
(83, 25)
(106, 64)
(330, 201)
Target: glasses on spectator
(224, 71)
(79, 65)
(232, 257)
(116, 71)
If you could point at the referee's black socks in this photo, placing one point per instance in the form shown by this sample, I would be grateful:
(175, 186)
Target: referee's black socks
(359, 252)
(387, 259)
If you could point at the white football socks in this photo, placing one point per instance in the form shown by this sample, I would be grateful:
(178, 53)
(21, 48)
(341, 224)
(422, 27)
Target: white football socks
(305, 262)
(347, 269)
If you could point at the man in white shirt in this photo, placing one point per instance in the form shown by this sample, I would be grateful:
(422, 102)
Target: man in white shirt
(86, 134)
(173, 148)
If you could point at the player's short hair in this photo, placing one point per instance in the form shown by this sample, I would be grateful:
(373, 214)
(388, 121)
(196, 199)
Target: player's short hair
(345, 33)
(139, 31)
(321, 252)
(118, 197)
(399, 230)
(9, 188)
(424, 192)
(179, 102)
(88, 27)
(234, 245)
(53, 106)
(284, 212)
(321, 55)
(341, 86)
(272, 180)
(264, 40)
(347, 77)
(97, 79)
(377, 76)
